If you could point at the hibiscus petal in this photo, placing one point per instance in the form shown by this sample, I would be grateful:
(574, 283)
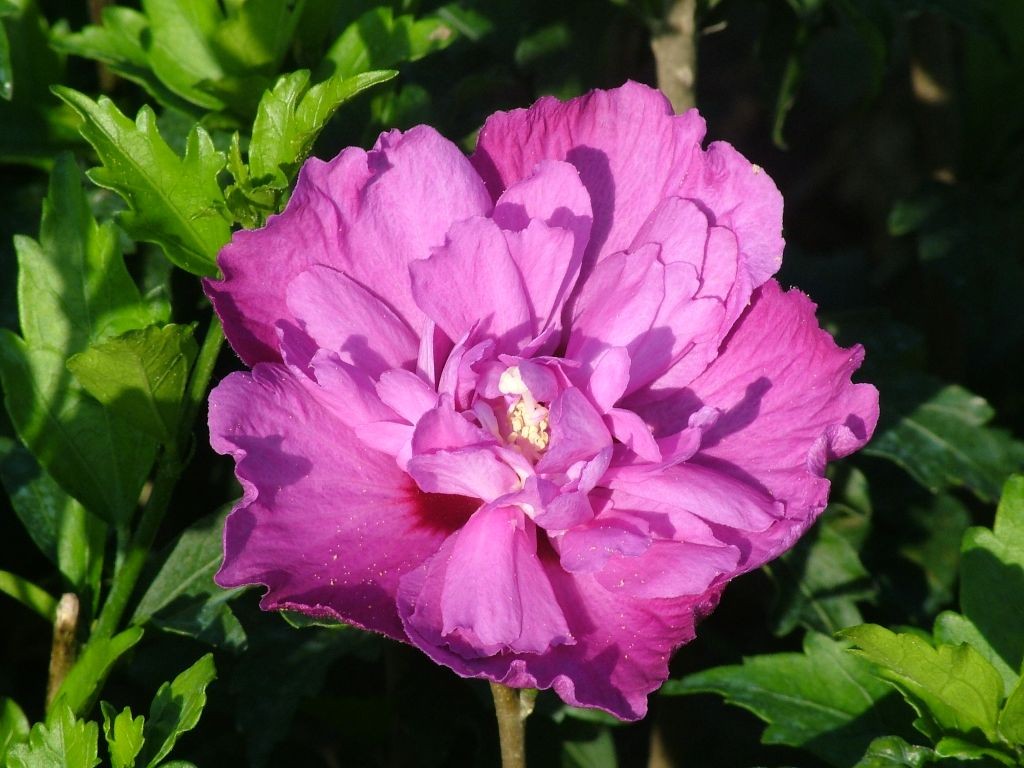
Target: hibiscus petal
(577, 432)
(670, 569)
(473, 280)
(742, 197)
(627, 145)
(321, 511)
(477, 472)
(545, 258)
(444, 428)
(407, 394)
(341, 315)
(495, 590)
(617, 304)
(788, 406)
(621, 649)
(367, 214)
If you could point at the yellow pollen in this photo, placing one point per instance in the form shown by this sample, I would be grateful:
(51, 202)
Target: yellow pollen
(527, 417)
(531, 427)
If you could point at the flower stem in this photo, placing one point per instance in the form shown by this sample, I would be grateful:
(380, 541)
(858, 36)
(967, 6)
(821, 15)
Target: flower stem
(511, 707)
(168, 471)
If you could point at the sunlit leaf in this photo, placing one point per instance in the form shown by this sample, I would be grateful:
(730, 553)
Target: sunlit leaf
(953, 688)
(140, 376)
(176, 710)
(824, 700)
(73, 290)
(123, 734)
(291, 116)
(61, 742)
(174, 201)
(83, 683)
(378, 39)
(69, 536)
(14, 726)
(894, 752)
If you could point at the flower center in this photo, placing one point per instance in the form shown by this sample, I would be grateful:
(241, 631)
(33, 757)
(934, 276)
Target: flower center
(528, 419)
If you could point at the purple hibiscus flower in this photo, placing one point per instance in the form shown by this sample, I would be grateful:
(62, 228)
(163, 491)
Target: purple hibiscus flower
(528, 411)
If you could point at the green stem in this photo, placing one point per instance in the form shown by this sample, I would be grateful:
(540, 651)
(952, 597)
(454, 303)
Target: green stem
(28, 594)
(168, 471)
(511, 707)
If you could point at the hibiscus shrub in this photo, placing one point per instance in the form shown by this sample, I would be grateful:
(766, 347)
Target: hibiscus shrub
(356, 354)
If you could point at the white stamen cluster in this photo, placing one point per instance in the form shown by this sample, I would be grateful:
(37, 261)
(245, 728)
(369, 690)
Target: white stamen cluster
(527, 418)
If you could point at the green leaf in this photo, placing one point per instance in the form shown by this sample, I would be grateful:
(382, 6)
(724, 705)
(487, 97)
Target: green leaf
(176, 710)
(86, 678)
(73, 290)
(953, 688)
(992, 577)
(291, 116)
(140, 376)
(174, 201)
(939, 435)
(823, 700)
(378, 40)
(62, 742)
(953, 629)
(302, 621)
(219, 58)
(894, 752)
(1011, 719)
(70, 537)
(821, 579)
(936, 549)
(28, 594)
(14, 726)
(6, 75)
(183, 597)
(179, 50)
(123, 734)
(119, 43)
(35, 128)
(955, 747)
(593, 748)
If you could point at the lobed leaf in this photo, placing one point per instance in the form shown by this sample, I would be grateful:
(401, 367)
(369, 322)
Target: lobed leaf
(953, 688)
(824, 700)
(123, 734)
(291, 116)
(61, 741)
(378, 40)
(174, 201)
(940, 437)
(120, 43)
(176, 710)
